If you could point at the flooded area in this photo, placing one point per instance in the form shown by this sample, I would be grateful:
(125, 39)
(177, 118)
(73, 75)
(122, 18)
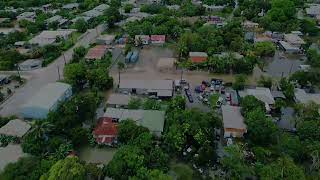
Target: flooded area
(97, 155)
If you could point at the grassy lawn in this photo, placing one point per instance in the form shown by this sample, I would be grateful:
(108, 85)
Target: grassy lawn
(182, 171)
(213, 100)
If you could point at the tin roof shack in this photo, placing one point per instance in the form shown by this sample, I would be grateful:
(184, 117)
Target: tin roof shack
(158, 39)
(250, 26)
(106, 131)
(118, 100)
(47, 99)
(71, 6)
(17, 128)
(28, 16)
(159, 88)
(262, 94)
(30, 64)
(50, 37)
(213, 8)
(233, 122)
(166, 64)
(10, 154)
(288, 48)
(198, 57)
(97, 53)
(313, 10)
(61, 22)
(302, 97)
(294, 40)
(151, 119)
(141, 40)
(105, 39)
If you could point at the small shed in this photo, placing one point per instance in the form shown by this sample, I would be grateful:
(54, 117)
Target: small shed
(16, 127)
(105, 39)
(198, 57)
(30, 64)
(106, 131)
(166, 64)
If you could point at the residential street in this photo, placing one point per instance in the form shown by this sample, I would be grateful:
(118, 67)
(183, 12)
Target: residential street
(41, 77)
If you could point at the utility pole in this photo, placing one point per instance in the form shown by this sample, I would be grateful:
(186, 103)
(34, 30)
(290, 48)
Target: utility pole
(18, 70)
(64, 58)
(58, 71)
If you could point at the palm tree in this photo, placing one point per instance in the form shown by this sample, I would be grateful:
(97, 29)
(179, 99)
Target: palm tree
(41, 128)
(120, 66)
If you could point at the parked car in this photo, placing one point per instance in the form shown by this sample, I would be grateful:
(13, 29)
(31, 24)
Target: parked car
(198, 89)
(206, 83)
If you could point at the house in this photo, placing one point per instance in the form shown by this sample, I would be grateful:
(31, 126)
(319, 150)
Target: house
(97, 53)
(6, 31)
(288, 48)
(158, 39)
(50, 37)
(46, 7)
(30, 64)
(28, 16)
(17, 128)
(92, 13)
(46, 99)
(214, 20)
(101, 7)
(300, 96)
(85, 18)
(105, 39)
(10, 154)
(261, 93)
(294, 40)
(71, 6)
(212, 8)
(262, 38)
(141, 40)
(313, 10)
(62, 22)
(166, 64)
(233, 121)
(278, 95)
(151, 119)
(106, 131)
(198, 57)
(173, 7)
(249, 25)
(158, 88)
(118, 100)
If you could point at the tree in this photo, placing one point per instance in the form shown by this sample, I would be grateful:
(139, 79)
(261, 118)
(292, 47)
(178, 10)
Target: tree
(26, 168)
(99, 78)
(151, 104)
(239, 83)
(309, 27)
(264, 49)
(127, 8)
(283, 168)
(78, 53)
(249, 103)
(134, 103)
(125, 163)
(290, 145)
(265, 82)
(69, 168)
(309, 129)
(75, 74)
(287, 88)
(261, 130)
(120, 67)
(112, 16)
(128, 130)
(81, 25)
(155, 174)
(235, 163)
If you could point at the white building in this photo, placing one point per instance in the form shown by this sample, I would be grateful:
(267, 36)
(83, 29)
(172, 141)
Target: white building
(47, 99)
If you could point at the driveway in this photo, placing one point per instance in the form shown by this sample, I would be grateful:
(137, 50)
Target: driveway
(41, 77)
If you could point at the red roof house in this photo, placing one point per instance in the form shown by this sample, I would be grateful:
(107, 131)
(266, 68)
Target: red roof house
(97, 52)
(158, 39)
(198, 57)
(106, 131)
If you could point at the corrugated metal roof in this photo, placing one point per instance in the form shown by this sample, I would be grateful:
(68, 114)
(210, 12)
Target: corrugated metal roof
(232, 117)
(15, 127)
(118, 99)
(47, 96)
(146, 84)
